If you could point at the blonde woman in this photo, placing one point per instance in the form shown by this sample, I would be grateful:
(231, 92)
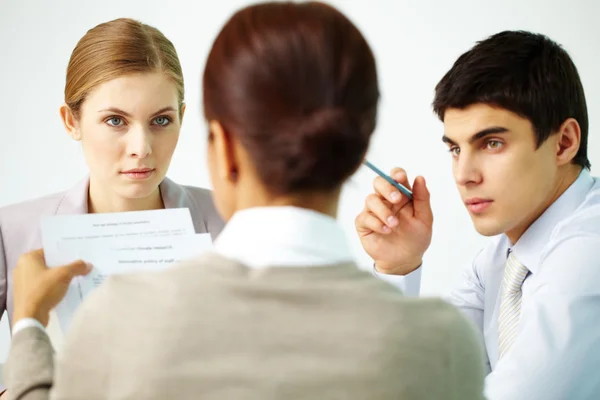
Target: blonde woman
(124, 101)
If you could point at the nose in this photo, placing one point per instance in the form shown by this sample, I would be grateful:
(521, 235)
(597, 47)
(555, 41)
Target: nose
(466, 171)
(139, 142)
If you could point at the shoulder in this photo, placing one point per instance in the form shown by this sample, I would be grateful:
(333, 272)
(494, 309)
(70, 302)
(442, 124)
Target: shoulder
(460, 330)
(585, 221)
(201, 196)
(19, 223)
(446, 328)
(435, 318)
(435, 329)
(457, 337)
(571, 265)
(198, 192)
(570, 262)
(428, 318)
(203, 201)
(33, 208)
(178, 194)
(199, 201)
(71, 201)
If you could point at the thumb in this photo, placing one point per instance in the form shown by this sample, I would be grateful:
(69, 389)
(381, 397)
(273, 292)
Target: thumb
(421, 201)
(67, 272)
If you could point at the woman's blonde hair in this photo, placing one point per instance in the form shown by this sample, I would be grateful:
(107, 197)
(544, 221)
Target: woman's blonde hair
(116, 48)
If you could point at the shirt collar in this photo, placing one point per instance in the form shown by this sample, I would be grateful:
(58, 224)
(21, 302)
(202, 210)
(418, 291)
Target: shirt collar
(284, 237)
(528, 248)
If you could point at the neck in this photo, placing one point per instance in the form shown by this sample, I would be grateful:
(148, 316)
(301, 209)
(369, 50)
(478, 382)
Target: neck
(563, 182)
(102, 200)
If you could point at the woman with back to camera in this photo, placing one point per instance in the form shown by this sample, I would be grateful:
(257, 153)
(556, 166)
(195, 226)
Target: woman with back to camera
(124, 101)
(279, 310)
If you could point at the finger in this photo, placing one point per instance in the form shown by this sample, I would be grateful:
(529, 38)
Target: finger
(78, 268)
(389, 191)
(381, 209)
(386, 190)
(400, 176)
(422, 201)
(67, 272)
(367, 223)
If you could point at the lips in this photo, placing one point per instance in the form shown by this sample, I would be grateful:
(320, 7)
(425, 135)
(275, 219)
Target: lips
(138, 173)
(138, 170)
(478, 205)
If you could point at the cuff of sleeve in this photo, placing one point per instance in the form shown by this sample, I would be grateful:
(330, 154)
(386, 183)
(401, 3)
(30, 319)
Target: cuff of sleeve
(27, 323)
(409, 284)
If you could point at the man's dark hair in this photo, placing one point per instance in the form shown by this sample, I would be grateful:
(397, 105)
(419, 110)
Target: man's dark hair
(523, 72)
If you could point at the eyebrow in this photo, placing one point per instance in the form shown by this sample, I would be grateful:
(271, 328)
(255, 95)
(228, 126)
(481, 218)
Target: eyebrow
(125, 113)
(494, 130)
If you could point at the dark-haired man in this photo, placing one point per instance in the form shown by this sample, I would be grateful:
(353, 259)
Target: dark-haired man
(516, 124)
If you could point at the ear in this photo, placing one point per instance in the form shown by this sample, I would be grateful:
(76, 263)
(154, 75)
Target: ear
(70, 122)
(226, 163)
(182, 113)
(568, 141)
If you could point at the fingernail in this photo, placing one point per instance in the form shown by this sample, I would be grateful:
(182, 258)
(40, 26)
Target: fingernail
(386, 229)
(395, 196)
(89, 266)
(399, 176)
(392, 221)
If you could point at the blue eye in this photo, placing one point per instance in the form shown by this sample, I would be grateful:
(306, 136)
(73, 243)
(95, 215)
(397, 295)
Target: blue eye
(162, 121)
(114, 121)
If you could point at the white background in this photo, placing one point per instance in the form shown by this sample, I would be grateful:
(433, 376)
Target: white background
(414, 42)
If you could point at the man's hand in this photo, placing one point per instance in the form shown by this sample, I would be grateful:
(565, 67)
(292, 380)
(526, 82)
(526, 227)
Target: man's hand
(394, 230)
(38, 289)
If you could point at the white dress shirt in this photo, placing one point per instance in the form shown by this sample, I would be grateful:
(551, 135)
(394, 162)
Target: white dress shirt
(556, 353)
(282, 236)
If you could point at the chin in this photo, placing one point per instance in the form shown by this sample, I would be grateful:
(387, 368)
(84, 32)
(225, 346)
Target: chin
(488, 227)
(138, 190)
(136, 194)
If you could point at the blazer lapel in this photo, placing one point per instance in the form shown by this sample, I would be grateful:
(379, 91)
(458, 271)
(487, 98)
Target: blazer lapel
(75, 200)
(173, 195)
(176, 196)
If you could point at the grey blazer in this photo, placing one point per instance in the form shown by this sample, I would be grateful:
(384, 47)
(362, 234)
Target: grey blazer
(279, 333)
(20, 232)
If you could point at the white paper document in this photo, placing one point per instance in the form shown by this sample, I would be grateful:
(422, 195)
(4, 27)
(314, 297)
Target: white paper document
(117, 243)
(90, 227)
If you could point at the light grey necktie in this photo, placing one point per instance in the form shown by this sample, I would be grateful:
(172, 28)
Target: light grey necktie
(510, 303)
